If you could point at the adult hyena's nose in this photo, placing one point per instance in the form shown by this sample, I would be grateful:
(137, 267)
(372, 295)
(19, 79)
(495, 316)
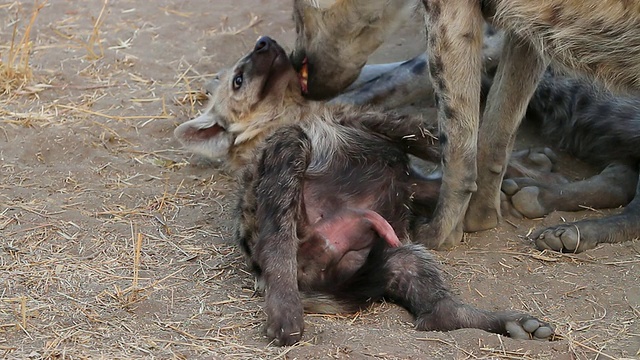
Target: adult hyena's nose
(263, 44)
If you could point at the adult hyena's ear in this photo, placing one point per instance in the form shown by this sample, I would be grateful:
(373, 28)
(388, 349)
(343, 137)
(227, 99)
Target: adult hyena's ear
(205, 135)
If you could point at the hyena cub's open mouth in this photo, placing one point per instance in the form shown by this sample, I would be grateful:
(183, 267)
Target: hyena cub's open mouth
(304, 76)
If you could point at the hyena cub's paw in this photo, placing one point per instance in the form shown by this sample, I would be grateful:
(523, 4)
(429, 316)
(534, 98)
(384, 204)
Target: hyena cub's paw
(527, 327)
(285, 321)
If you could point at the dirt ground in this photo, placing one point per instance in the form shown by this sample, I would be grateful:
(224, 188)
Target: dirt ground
(116, 244)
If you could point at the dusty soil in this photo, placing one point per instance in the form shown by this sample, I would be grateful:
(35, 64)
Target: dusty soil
(116, 244)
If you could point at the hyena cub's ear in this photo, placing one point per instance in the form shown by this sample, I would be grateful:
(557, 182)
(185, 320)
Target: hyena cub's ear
(206, 135)
(211, 85)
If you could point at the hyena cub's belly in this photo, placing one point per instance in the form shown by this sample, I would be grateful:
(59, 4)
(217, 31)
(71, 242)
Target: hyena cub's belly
(344, 226)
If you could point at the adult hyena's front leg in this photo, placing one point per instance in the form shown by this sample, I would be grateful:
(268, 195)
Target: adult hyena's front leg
(278, 209)
(615, 186)
(518, 74)
(586, 234)
(454, 29)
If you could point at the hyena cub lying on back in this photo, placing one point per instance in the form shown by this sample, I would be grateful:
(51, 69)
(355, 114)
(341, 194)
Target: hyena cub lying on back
(327, 201)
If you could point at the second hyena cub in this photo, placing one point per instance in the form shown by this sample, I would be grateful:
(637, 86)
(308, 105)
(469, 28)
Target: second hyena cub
(327, 201)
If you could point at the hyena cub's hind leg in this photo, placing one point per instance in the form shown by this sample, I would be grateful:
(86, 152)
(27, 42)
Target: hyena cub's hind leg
(415, 282)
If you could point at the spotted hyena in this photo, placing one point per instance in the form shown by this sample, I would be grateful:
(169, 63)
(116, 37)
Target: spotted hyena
(600, 128)
(598, 38)
(328, 201)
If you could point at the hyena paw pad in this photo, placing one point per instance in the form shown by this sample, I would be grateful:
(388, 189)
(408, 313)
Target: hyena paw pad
(527, 202)
(529, 328)
(563, 238)
(285, 329)
(537, 159)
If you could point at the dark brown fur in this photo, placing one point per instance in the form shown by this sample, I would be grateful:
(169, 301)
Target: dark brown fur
(328, 201)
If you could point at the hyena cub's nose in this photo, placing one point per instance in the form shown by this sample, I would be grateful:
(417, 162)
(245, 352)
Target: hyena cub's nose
(263, 44)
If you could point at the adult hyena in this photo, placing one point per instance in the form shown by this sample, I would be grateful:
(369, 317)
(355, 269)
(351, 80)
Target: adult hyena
(600, 38)
(600, 128)
(328, 200)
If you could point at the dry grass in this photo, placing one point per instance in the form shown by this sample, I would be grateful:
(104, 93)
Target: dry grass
(15, 70)
(225, 29)
(94, 42)
(115, 244)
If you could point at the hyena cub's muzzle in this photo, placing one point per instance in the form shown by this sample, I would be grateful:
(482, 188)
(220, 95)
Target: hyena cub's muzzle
(269, 59)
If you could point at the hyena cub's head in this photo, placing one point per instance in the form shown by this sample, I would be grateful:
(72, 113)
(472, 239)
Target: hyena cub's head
(247, 99)
(335, 38)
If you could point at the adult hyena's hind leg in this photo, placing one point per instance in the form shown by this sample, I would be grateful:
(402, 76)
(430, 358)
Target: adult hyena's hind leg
(415, 282)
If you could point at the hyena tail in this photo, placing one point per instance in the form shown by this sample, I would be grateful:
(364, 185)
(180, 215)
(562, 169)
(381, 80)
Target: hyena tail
(587, 120)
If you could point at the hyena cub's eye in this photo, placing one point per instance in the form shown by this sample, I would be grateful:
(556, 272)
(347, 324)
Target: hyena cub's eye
(237, 81)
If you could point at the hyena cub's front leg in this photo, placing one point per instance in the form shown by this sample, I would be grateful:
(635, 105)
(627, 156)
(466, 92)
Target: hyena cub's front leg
(278, 199)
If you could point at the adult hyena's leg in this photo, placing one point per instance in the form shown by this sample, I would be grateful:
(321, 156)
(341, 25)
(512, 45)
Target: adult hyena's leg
(614, 186)
(518, 74)
(454, 29)
(586, 234)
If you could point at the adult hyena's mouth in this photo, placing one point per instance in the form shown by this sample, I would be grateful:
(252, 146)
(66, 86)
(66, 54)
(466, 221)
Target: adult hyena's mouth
(303, 76)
